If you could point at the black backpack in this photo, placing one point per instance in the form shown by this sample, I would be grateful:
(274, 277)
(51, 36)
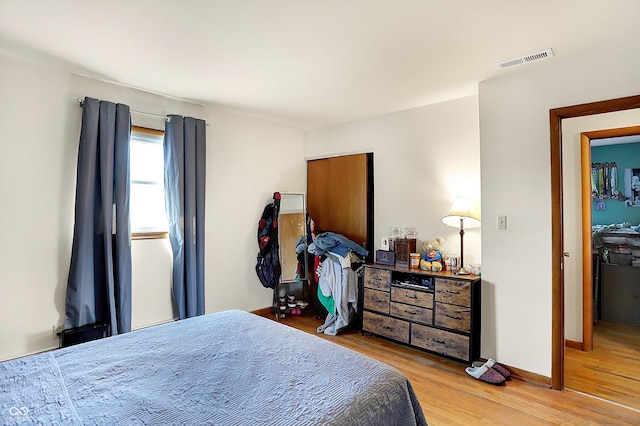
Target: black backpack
(268, 260)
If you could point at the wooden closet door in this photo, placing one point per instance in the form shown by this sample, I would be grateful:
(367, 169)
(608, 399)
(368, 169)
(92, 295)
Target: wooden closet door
(340, 196)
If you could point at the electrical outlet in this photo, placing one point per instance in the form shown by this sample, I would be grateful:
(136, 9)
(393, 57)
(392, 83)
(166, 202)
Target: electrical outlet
(57, 329)
(502, 222)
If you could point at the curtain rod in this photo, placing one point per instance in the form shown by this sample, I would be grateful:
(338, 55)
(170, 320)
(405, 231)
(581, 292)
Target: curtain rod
(166, 118)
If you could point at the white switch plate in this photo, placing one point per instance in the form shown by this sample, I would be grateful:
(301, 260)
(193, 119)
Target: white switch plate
(502, 222)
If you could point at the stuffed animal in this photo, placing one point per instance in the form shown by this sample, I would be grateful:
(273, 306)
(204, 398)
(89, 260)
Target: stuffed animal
(434, 259)
(435, 266)
(424, 265)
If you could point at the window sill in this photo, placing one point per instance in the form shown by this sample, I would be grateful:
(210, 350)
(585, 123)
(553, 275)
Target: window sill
(149, 235)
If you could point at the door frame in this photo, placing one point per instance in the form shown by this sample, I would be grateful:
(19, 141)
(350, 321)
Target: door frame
(556, 116)
(587, 246)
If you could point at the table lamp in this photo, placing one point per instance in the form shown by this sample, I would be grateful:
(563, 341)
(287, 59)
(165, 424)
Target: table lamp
(462, 215)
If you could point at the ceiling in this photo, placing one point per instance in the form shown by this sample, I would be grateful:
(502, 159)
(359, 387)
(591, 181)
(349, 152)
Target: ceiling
(311, 63)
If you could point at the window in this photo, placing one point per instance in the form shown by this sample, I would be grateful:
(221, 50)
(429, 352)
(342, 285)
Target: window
(146, 208)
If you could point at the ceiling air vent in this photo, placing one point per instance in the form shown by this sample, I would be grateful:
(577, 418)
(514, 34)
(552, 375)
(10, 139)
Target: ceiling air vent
(536, 56)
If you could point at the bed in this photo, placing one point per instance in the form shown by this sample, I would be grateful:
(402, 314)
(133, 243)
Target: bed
(617, 243)
(227, 368)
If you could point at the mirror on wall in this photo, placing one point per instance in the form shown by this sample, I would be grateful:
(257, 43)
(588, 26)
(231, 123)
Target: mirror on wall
(292, 227)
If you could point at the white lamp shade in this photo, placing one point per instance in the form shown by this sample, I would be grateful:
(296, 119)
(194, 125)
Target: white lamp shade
(462, 209)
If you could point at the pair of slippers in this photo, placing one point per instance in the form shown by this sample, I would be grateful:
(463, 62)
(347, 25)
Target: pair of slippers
(490, 372)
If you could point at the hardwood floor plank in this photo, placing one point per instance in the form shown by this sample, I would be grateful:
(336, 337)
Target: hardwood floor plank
(450, 397)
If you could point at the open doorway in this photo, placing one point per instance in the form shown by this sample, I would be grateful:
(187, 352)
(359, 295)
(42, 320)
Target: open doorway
(605, 362)
(555, 119)
(592, 260)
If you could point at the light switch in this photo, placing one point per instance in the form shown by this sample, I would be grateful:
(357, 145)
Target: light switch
(502, 222)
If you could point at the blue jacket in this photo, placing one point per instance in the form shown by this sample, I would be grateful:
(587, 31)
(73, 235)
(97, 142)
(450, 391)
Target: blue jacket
(335, 243)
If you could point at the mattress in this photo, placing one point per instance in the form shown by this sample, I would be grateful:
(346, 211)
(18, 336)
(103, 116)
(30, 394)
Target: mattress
(227, 368)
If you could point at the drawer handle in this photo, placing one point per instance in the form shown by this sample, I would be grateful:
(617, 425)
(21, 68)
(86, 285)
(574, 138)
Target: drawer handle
(453, 317)
(442, 342)
(412, 312)
(412, 297)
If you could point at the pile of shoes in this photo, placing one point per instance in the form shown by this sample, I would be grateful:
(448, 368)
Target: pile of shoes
(295, 306)
(489, 372)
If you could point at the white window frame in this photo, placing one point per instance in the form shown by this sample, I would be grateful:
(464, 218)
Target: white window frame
(149, 136)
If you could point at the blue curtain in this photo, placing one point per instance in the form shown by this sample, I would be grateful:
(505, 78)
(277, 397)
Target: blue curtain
(184, 171)
(99, 285)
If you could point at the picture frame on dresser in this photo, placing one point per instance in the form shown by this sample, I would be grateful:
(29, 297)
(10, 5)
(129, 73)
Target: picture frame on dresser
(438, 312)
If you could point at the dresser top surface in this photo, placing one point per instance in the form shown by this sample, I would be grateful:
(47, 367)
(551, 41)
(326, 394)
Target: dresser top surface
(442, 274)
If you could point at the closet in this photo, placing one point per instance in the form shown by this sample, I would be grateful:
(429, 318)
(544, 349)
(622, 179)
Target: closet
(340, 197)
(340, 200)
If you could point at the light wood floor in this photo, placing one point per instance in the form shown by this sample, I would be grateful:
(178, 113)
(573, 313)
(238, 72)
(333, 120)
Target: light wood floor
(612, 370)
(449, 396)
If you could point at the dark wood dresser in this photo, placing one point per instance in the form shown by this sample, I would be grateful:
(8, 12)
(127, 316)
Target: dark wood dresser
(621, 294)
(435, 311)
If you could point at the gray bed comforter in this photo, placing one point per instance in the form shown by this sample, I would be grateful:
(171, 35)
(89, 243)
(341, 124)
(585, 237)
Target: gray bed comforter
(228, 368)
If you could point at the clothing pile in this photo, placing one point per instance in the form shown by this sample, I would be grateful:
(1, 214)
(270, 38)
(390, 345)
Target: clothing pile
(336, 262)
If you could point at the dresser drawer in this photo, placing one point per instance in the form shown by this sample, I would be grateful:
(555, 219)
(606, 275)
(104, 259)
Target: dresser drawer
(453, 316)
(376, 300)
(412, 313)
(440, 341)
(412, 297)
(379, 279)
(386, 326)
(454, 292)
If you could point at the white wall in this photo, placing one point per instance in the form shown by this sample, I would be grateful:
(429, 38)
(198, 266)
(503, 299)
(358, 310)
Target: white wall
(423, 158)
(516, 181)
(572, 207)
(247, 160)
(36, 148)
